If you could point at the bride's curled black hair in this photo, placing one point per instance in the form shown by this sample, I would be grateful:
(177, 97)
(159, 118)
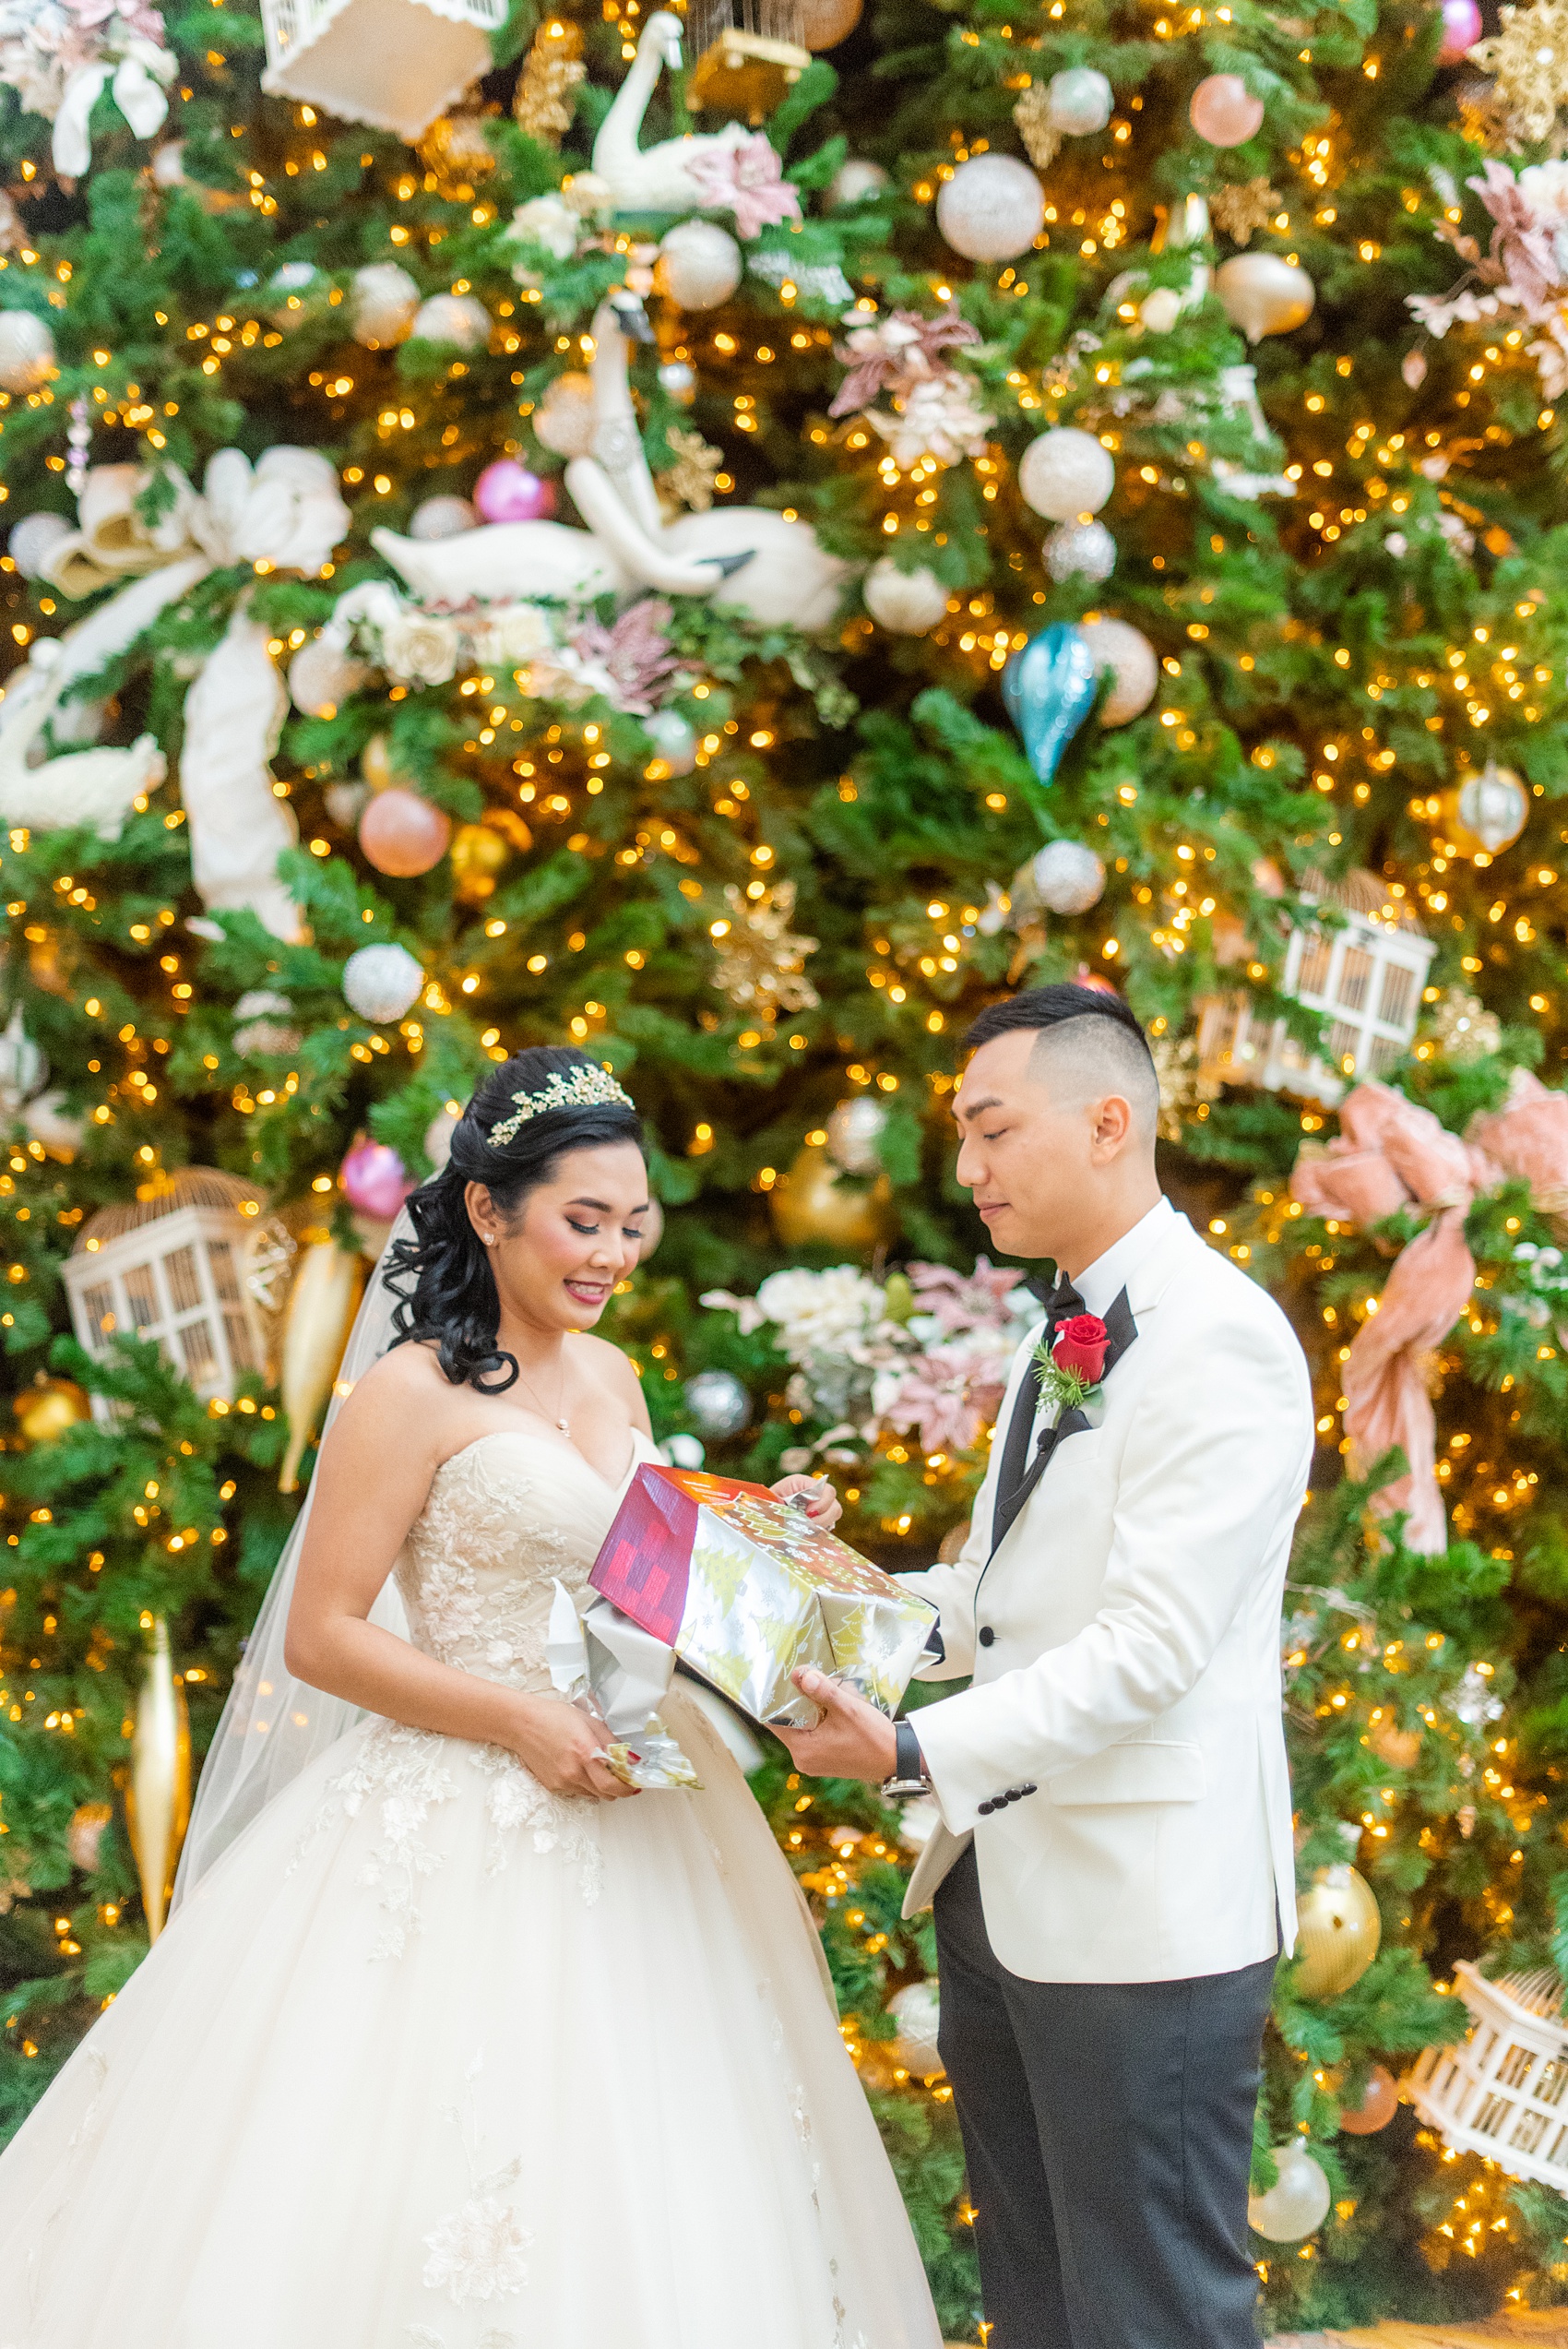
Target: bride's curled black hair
(452, 1300)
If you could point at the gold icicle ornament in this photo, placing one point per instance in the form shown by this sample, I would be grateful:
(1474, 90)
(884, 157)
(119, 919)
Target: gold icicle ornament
(320, 1313)
(158, 1792)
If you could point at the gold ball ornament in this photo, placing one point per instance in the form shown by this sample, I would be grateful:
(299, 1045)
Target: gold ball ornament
(479, 854)
(375, 764)
(1262, 293)
(1400, 1749)
(317, 1319)
(158, 1790)
(84, 1836)
(1380, 2102)
(812, 1203)
(1486, 813)
(1340, 1929)
(1296, 2204)
(46, 1409)
(825, 23)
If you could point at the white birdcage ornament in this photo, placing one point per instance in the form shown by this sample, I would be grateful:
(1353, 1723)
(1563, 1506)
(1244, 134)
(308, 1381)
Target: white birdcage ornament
(1503, 2090)
(745, 55)
(1365, 975)
(392, 64)
(199, 1265)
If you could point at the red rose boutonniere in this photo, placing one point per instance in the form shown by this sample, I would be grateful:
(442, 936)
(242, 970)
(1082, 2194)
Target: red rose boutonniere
(1074, 1362)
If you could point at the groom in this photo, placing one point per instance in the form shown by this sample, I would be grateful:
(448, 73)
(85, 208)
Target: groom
(1112, 1877)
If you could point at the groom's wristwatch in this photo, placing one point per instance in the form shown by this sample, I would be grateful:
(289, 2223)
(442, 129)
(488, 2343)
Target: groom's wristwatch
(910, 1773)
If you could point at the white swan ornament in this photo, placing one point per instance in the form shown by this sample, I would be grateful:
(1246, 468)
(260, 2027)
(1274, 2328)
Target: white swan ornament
(655, 179)
(626, 546)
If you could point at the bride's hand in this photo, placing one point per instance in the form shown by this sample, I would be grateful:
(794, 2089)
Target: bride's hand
(563, 1746)
(822, 1508)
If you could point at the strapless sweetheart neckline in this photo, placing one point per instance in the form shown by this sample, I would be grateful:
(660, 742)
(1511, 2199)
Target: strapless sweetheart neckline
(549, 1443)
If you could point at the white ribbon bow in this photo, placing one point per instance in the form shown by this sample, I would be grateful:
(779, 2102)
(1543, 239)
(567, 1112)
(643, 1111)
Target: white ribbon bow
(283, 514)
(139, 77)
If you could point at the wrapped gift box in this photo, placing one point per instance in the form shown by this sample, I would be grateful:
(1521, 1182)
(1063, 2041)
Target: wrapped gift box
(745, 1591)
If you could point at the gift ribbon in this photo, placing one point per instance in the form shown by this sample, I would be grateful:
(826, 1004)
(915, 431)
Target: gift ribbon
(282, 515)
(1392, 1154)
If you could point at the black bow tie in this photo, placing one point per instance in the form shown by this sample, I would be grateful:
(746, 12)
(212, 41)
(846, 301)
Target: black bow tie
(1059, 1297)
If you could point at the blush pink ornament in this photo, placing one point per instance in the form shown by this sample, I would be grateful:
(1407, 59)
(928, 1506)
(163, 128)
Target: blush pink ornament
(1224, 111)
(375, 1180)
(507, 492)
(1461, 30)
(403, 834)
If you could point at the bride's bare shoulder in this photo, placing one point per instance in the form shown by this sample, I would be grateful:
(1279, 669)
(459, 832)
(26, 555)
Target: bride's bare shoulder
(405, 1384)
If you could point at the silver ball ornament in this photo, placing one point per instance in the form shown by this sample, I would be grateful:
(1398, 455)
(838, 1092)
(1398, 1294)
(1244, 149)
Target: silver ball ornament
(345, 803)
(565, 421)
(438, 1136)
(1133, 665)
(455, 318)
(1079, 102)
(1080, 550)
(685, 1451)
(1494, 806)
(991, 209)
(32, 540)
(287, 290)
(264, 1023)
(907, 603)
(1066, 474)
(27, 350)
(1068, 876)
(854, 180)
(381, 982)
(675, 740)
(700, 265)
(322, 676)
(678, 378)
(444, 516)
(383, 305)
(854, 1130)
(917, 2009)
(717, 1403)
(1296, 2204)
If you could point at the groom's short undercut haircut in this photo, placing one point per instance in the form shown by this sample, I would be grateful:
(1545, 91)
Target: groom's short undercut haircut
(1086, 1044)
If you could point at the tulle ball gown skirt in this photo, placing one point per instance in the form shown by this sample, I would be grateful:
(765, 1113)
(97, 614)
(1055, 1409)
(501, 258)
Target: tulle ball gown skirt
(433, 2060)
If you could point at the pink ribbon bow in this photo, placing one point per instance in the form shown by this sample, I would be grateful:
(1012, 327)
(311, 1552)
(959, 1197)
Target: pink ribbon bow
(1391, 1154)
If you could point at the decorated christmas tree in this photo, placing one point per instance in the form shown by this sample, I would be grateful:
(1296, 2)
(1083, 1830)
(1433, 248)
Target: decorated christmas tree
(731, 541)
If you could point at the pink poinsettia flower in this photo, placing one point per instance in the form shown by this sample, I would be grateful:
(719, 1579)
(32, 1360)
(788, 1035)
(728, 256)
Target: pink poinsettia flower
(748, 179)
(899, 351)
(976, 1300)
(634, 654)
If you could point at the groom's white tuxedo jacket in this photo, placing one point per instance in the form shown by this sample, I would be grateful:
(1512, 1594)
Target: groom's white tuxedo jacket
(1125, 1646)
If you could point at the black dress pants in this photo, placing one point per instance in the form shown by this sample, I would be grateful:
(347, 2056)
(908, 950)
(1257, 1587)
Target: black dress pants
(1109, 2132)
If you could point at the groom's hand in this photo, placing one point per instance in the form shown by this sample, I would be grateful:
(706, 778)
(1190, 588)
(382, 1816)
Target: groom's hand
(852, 1739)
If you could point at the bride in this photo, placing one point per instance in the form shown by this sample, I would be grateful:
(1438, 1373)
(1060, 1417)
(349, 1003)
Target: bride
(460, 2043)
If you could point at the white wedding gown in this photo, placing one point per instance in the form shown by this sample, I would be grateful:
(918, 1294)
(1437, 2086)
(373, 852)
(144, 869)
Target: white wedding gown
(434, 2060)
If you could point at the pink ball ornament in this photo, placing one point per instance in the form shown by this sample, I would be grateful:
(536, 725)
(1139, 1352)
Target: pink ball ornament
(507, 492)
(403, 834)
(1461, 30)
(1224, 111)
(375, 1180)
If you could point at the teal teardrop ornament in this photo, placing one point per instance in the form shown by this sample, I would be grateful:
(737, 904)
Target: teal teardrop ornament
(1048, 690)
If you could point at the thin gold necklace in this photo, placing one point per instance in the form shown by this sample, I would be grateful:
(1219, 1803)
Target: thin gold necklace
(563, 1425)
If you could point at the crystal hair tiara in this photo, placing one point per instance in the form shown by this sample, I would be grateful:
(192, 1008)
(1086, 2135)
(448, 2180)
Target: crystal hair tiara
(587, 1088)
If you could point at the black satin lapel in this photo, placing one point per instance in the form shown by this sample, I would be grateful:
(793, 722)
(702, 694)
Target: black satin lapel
(1015, 1453)
(1120, 1328)
(1073, 1422)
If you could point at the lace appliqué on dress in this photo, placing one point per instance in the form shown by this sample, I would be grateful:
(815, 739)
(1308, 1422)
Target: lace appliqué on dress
(477, 2252)
(405, 1771)
(467, 1602)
